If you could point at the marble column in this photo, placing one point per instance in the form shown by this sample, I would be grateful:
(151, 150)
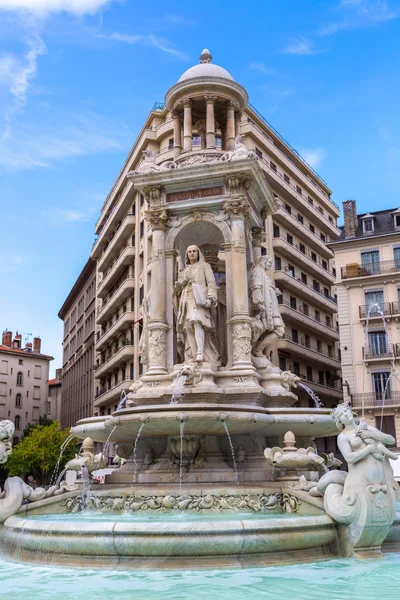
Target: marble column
(259, 237)
(230, 125)
(157, 327)
(177, 133)
(210, 121)
(170, 278)
(187, 125)
(238, 118)
(237, 207)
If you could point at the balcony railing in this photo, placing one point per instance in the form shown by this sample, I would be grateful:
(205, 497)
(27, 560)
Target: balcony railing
(386, 351)
(375, 399)
(310, 287)
(384, 307)
(336, 385)
(378, 268)
(109, 355)
(307, 230)
(302, 342)
(395, 308)
(300, 310)
(103, 389)
(311, 256)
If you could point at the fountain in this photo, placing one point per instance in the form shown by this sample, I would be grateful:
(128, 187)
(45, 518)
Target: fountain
(185, 498)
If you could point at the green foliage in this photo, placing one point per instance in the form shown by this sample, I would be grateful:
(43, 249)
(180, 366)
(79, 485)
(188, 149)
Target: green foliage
(38, 452)
(43, 420)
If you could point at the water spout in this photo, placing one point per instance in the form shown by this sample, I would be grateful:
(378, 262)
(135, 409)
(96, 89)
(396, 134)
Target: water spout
(144, 419)
(178, 389)
(318, 403)
(107, 444)
(62, 449)
(122, 400)
(85, 487)
(223, 417)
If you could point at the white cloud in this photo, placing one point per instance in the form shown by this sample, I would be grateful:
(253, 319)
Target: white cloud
(314, 156)
(301, 46)
(41, 7)
(263, 69)
(356, 14)
(149, 39)
(44, 144)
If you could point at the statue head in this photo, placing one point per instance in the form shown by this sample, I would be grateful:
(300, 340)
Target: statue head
(343, 415)
(193, 254)
(265, 262)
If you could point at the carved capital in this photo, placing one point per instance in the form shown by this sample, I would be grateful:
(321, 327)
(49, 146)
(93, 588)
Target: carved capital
(187, 102)
(236, 207)
(152, 194)
(157, 217)
(231, 104)
(258, 236)
(210, 99)
(237, 183)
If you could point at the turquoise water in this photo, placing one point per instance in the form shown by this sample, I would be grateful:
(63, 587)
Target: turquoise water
(145, 516)
(332, 580)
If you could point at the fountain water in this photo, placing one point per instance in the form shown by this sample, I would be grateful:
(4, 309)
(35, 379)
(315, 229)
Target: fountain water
(178, 389)
(313, 395)
(122, 400)
(85, 493)
(62, 450)
(222, 417)
(107, 443)
(144, 419)
(181, 433)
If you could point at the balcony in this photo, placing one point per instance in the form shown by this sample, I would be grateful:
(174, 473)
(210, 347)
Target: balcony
(123, 321)
(112, 361)
(309, 352)
(285, 280)
(372, 399)
(125, 290)
(126, 257)
(374, 312)
(306, 320)
(122, 232)
(294, 253)
(384, 267)
(386, 352)
(302, 230)
(111, 393)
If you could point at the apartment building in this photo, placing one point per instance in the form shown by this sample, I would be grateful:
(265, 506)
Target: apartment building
(53, 407)
(24, 373)
(297, 238)
(78, 315)
(367, 256)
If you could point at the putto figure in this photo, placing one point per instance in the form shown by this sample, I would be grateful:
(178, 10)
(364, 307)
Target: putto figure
(195, 293)
(267, 323)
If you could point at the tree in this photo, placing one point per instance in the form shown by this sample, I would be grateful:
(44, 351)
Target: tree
(38, 452)
(43, 420)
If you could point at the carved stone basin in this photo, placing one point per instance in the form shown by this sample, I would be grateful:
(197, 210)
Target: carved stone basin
(205, 419)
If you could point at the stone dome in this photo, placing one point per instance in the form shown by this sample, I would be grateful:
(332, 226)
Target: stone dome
(205, 69)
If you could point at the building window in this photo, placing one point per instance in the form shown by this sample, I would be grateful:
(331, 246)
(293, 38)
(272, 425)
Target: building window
(313, 257)
(299, 190)
(302, 248)
(309, 373)
(377, 343)
(36, 392)
(170, 143)
(304, 278)
(386, 424)
(291, 271)
(397, 221)
(277, 231)
(295, 336)
(296, 367)
(305, 308)
(282, 363)
(300, 219)
(288, 209)
(20, 361)
(272, 165)
(19, 378)
(312, 228)
(321, 210)
(368, 226)
(319, 345)
(322, 236)
(17, 422)
(317, 315)
(286, 178)
(381, 385)
(310, 200)
(396, 256)
(37, 372)
(321, 377)
(278, 263)
(373, 297)
(325, 265)
(316, 285)
(259, 153)
(293, 302)
(18, 401)
(370, 261)
(289, 239)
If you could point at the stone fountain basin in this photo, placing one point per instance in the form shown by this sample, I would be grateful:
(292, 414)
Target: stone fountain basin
(206, 419)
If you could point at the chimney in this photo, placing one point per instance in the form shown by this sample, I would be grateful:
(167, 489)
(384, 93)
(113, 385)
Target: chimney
(7, 338)
(17, 340)
(28, 347)
(58, 374)
(350, 218)
(36, 345)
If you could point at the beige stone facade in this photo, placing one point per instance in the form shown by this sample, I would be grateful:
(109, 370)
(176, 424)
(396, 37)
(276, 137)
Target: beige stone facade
(54, 397)
(191, 125)
(78, 315)
(367, 257)
(24, 373)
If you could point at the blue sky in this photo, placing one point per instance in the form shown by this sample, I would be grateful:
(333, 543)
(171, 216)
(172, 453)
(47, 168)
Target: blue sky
(78, 78)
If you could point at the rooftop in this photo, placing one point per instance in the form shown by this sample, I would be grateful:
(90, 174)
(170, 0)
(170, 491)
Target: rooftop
(205, 69)
(24, 352)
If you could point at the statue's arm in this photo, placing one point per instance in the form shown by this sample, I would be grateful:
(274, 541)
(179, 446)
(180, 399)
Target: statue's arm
(212, 292)
(354, 456)
(378, 435)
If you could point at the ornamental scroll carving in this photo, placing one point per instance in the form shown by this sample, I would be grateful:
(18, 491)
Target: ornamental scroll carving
(157, 217)
(157, 347)
(241, 340)
(218, 220)
(237, 207)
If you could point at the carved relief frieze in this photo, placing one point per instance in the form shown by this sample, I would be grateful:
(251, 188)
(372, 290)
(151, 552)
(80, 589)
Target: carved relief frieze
(157, 347)
(241, 341)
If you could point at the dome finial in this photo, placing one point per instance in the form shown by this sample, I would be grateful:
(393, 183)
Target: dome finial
(205, 56)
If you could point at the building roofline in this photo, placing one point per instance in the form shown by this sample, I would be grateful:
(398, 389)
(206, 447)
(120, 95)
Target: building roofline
(89, 267)
(363, 237)
(21, 351)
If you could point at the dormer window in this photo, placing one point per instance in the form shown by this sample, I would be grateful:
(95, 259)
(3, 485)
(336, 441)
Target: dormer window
(368, 224)
(396, 218)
